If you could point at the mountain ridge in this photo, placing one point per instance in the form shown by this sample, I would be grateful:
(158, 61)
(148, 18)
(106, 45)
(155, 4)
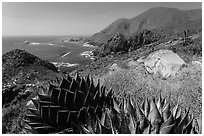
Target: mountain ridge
(159, 19)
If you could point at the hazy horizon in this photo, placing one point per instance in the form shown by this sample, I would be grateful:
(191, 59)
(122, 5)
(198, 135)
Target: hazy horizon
(69, 18)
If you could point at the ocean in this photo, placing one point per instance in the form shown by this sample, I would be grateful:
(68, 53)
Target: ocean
(67, 56)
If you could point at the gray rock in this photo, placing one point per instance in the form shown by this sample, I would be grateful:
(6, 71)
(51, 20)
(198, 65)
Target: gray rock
(163, 62)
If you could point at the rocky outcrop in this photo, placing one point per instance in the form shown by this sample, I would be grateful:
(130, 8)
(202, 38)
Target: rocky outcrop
(164, 62)
(20, 68)
(119, 44)
(22, 73)
(19, 60)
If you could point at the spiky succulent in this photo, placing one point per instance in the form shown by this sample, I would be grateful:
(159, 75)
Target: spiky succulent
(64, 107)
(78, 106)
(149, 118)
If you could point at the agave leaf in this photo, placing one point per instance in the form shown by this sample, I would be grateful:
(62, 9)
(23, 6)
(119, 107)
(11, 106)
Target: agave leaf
(160, 103)
(166, 112)
(83, 86)
(72, 117)
(45, 129)
(103, 118)
(154, 115)
(123, 106)
(55, 94)
(116, 121)
(167, 129)
(132, 125)
(193, 131)
(34, 124)
(45, 103)
(196, 127)
(92, 88)
(130, 108)
(182, 123)
(34, 118)
(69, 78)
(177, 121)
(73, 86)
(91, 111)
(109, 97)
(53, 115)
(103, 96)
(62, 117)
(124, 128)
(105, 130)
(115, 106)
(188, 127)
(176, 111)
(66, 131)
(43, 97)
(96, 99)
(147, 130)
(140, 114)
(65, 84)
(79, 99)
(106, 119)
(61, 97)
(88, 99)
(168, 122)
(143, 105)
(143, 124)
(152, 104)
(77, 78)
(99, 110)
(138, 131)
(98, 126)
(83, 115)
(69, 100)
(85, 130)
(51, 87)
(45, 111)
(76, 128)
(199, 121)
(146, 108)
(154, 130)
(98, 87)
(34, 111)
(109, 120)
(36, 103)
(88, 81)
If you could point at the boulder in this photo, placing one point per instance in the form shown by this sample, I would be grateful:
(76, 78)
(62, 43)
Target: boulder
(114, 67)
(163, 62)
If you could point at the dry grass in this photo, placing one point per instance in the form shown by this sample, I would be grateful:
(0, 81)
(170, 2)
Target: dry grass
(185, 88)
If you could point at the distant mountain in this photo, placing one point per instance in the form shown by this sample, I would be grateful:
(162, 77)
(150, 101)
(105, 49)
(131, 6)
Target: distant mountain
(160, 19)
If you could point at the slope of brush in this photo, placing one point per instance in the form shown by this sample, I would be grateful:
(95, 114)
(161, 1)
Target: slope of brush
(160, 19)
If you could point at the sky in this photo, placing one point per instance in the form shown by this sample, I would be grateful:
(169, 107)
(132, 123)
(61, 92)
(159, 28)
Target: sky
(66, 18)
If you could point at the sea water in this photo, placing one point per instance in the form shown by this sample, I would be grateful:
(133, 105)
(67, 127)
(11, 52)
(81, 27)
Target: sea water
(67, 56)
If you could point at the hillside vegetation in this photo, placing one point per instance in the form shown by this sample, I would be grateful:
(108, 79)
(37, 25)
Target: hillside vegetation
(161, 20)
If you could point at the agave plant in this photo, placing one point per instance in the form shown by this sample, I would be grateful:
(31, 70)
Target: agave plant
(77, 106)
(149, 118)
(64, 107)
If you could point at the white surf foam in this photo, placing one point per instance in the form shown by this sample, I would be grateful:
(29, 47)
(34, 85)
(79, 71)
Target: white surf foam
(65, 54)
(64, 64)
(88, 54)
(34, 43)
(86, 44)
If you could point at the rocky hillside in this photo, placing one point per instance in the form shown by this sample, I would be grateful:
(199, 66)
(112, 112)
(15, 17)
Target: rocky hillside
(161, 20)
(21, 73)
(142, 74)
(17, 61)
